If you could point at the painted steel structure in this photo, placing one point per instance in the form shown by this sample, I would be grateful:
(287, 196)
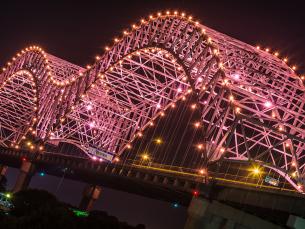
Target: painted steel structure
(251, 102)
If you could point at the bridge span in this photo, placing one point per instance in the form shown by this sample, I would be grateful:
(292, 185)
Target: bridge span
(162, 183)
(250, 105)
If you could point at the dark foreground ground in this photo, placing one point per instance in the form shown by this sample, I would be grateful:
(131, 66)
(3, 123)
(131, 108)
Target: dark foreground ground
(40, 209)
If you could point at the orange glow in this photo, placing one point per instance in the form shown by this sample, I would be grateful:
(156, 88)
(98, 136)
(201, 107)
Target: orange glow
(200, 146)
(197, 124)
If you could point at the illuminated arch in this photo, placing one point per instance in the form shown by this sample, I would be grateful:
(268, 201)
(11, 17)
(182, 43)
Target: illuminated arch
(252, 103)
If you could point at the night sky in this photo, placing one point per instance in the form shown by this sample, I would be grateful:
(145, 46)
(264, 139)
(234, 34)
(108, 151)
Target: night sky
(78, 32)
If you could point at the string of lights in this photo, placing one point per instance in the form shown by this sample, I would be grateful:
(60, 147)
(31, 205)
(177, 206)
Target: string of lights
(249, 100)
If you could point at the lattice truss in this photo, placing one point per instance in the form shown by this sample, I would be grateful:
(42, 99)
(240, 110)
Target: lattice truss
(252, 104)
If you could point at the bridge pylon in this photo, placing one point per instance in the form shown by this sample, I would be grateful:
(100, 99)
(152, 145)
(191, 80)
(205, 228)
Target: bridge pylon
(90, 195)
(3, 169)
(204, 213)
(27, 170)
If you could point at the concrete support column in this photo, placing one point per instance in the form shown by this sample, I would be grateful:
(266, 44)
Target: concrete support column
(90, 195)
(3, 169)
(196, 213)
(26, 172)
(296, 222)
(214, 215)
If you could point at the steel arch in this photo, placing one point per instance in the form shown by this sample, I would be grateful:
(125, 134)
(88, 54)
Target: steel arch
(252, 103)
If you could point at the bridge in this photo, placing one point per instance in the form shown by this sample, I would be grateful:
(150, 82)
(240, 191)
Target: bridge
(250, 105)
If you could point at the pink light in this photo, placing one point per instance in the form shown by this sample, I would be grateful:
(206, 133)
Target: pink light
(158, 105)
(101, 159)
(300, 186)
(89, 107)
(92, 124)
(94, 158)
(236, 76)
(199, 79)
(179, 89)
(268, 104)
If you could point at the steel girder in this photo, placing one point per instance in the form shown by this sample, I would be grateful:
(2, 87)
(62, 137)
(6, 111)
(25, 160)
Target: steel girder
(252, 104)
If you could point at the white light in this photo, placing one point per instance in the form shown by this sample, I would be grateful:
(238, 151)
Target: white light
(92, 124)
(158, 105)
(179, 89)
(101, 159)
(94, 158)
(199, 79)
(89, 107)
(268, 104)
(236, 76)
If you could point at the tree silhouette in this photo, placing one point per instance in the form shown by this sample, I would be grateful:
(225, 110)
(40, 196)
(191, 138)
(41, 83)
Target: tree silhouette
(34, 208)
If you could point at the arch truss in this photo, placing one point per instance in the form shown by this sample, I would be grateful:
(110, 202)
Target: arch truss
(251, 103)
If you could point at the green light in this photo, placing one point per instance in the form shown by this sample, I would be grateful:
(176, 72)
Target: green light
(8, 195)
(79, 213)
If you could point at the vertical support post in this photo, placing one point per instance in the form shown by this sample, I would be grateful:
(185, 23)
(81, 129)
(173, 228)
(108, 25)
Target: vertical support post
(196, 212)
(3, 169)
(295, 222)
(90, 195)
(23, 180)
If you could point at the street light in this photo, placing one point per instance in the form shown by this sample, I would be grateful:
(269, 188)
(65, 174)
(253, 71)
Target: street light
(200, 146)
(197, 124)
(8, 195)
(256, 170)
(145, 156)
(158, 141)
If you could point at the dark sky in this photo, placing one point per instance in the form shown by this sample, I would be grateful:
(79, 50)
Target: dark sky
(78, 31)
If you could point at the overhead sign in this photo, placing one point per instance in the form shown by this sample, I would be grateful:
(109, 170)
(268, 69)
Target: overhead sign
(271, 181)
(101, 154)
